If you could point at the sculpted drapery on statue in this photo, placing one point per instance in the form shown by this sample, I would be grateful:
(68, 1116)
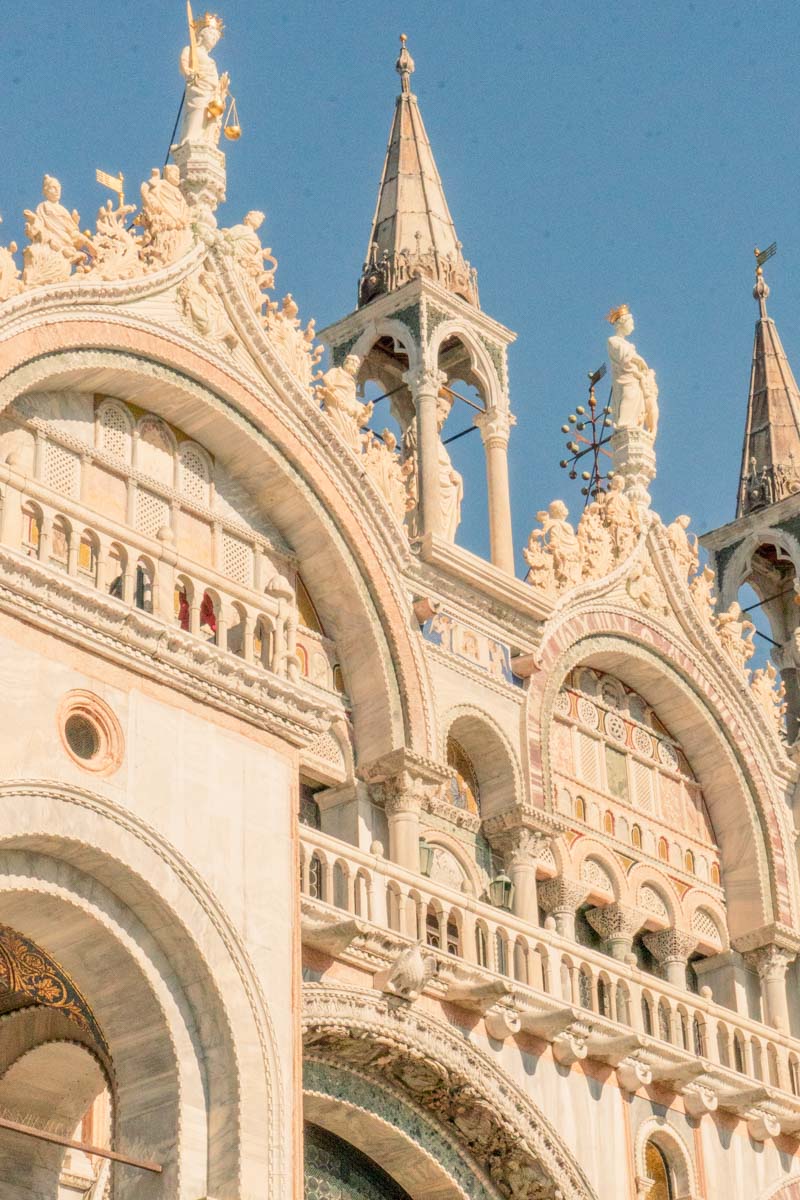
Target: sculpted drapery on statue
(206, 89)
(634, 396)
(451, 485)
(56, 241)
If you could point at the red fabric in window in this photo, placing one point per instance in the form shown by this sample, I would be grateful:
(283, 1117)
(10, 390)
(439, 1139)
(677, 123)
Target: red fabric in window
(207, 615)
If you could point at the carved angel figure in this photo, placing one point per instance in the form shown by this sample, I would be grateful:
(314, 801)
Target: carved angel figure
(203, 308)
(634, 394)
(620, 517)
(10, 282)
(116, 247)
(337, 391)
(736, 634)
(251, 257)
(206, 89)
(556, 541)
(771, 698)
(410, 972)
(56, 241)
(165, 218)
(683, 546)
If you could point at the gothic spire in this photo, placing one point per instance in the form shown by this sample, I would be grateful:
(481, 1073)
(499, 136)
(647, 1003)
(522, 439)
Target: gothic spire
(771, 451)
(412, 230)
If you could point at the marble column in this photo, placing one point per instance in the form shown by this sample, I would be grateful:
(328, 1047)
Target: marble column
(424, 385)
(671, 949)
(617, 925)
(402, 816)
(561, 898)
(771, 963)
(521, 849)
(495, 426)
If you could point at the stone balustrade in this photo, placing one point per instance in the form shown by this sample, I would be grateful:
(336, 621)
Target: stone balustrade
(583, 1001)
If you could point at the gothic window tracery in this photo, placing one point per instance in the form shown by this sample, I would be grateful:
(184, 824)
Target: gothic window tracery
(611, 754)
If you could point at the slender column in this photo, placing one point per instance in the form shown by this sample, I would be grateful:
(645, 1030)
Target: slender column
(617, 925)
(521, 849)
(671, 948)
(495, 426)
(771, 963)
(561, 898)
(402, 815)
(424, 385)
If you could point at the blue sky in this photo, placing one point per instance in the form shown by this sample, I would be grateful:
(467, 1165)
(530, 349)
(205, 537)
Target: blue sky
(591, 154)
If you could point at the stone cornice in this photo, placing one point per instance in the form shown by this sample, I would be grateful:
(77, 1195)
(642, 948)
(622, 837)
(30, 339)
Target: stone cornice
(61, 605)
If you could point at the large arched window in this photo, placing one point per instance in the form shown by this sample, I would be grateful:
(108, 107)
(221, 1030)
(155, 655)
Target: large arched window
(608, 747)
(659, 1173)
(464, 791)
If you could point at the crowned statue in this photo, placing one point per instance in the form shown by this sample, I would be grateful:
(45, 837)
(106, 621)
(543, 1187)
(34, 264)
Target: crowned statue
(206, 90)
(634, 395)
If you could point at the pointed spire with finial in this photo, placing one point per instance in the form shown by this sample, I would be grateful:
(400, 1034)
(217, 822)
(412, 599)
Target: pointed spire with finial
(771, 450)
(412, 231)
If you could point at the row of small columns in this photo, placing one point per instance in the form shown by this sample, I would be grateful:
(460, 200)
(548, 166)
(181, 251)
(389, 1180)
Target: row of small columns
(561, 898)
(495, 427)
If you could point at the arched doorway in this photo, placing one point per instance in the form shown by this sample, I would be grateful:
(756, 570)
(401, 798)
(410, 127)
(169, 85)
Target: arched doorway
(335, 1168)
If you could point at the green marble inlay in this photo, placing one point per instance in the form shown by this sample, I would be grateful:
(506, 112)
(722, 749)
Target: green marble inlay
(435, 318)
(410, 317)
(340, 352)
(498, 358)
(721, 560)
(344, 1085)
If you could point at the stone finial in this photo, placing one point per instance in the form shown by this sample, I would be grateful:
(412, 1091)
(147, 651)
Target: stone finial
(405, 64)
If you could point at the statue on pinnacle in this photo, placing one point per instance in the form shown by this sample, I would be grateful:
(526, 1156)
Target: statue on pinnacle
(206, 90)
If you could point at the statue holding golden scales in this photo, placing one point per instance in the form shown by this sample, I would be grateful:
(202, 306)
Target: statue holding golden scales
(207, 92)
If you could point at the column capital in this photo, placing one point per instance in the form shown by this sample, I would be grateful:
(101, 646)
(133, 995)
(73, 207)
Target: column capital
(424, 379)
(670, 945)
(495, 425)
(616, 921)
(521, 847)
(771, 962)
(404, 778)
(562, 895)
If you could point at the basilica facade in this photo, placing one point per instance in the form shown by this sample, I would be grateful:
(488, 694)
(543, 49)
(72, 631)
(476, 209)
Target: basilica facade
(337, 862)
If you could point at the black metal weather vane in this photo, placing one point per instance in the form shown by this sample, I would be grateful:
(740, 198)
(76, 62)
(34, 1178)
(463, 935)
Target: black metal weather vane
(591, 433)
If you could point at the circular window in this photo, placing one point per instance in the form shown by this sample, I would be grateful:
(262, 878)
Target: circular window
(90, 733)
(82, 737)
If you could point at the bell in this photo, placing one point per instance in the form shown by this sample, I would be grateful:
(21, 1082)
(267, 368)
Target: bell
(214, 109)
(233, 132)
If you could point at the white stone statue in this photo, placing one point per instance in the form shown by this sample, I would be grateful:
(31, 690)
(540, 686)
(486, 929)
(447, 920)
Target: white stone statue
(56, 241)
(702, 589)
(251, 257)
(541, 573)
(683, 546)
(10, 282)
(451, 485)
(620, 518)
(736, 634)
(206, 89)
(203, 308)
(634, 395)
(337, 391)
(165, 218)
(560, 541)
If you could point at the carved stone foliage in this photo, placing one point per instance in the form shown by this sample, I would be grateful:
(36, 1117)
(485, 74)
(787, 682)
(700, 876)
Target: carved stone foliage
(608, 531)
(294, 344)
(165, 219)
(736, 635)
(416, 1055)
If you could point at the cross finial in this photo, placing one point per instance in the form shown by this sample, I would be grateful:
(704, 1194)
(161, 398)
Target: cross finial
(404, 65)
(761, 289)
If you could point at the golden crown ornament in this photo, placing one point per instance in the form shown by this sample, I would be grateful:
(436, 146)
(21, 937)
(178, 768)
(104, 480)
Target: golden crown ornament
(617, 313)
